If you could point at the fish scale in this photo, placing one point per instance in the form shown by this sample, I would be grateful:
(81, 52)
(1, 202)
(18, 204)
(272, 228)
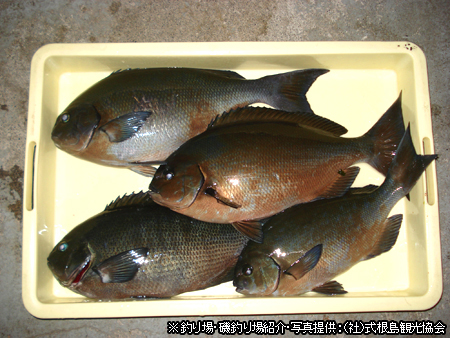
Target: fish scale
(137, 116)
(180, 254)
(255, 162)
(333, 234)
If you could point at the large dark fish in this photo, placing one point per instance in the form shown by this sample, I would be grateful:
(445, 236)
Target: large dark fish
(136, 248)
(143, 115)
(255, 162)
(308, 245)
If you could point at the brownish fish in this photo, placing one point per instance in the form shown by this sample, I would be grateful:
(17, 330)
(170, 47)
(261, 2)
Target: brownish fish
(136, 248)
(143, 115)
(308, 245)
(255, 162)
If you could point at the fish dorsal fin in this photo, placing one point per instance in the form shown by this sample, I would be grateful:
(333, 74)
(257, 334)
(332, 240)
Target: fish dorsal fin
(330, 288)
(122, 267)
(388, 237)
(250, 229)
(263, 114)
(139, 199)
(228, 74)
(305, 263)
(123, 70)
(342, 183)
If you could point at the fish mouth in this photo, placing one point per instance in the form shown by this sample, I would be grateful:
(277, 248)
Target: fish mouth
(241, 287)
(153, 190)
(241, 284)
(77, 275)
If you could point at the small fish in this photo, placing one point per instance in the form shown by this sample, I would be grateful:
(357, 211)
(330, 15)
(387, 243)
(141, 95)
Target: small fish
(138, 117)
(136, 248)
(255, 162)
(308, 245)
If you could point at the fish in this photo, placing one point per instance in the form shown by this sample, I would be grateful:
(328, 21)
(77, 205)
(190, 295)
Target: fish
(307, 246)
(138, 249)
(136, 118)
(255, 162)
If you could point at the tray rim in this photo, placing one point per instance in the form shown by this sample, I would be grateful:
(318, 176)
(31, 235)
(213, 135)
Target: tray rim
(178, 307)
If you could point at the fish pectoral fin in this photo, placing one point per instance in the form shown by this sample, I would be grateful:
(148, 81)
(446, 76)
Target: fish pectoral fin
(330, 288)
(125, 126)
(388, 237)
(250, 229)
(213, 193)
(305, 263)
(342, 183)
(122, 267)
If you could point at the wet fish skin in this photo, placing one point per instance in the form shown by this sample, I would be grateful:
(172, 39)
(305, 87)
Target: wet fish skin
(264, 161)
(143, 115)
(136, 248)
(308, 245)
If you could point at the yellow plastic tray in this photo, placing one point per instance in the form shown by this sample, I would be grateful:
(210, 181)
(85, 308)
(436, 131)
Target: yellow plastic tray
(365, 78)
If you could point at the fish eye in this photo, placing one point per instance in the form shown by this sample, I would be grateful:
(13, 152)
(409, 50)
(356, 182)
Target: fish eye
(65, 118)
(63, 247)
(247, 270)
(168, 174)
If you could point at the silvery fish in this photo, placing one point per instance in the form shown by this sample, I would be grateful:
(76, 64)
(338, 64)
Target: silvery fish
(308, 245)
(136, 248)
(137, 117)
(255, 162)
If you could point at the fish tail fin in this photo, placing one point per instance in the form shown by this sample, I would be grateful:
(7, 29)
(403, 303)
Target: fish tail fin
(407, 167)
(288, 90)
(385, 136)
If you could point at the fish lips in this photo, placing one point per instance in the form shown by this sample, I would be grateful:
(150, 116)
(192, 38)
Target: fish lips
(241, 285)
(77, 275)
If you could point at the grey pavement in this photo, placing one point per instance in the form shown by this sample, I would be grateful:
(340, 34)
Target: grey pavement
(25, 26)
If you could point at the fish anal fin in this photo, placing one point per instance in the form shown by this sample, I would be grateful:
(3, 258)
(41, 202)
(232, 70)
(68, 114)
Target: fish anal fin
(125, 126)
(305, 263)
(122, 267)
(250, 229)
(342, 183)
(388, 237)
(221, 199)
(330, 288)
(144, 170)
(368, 189)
